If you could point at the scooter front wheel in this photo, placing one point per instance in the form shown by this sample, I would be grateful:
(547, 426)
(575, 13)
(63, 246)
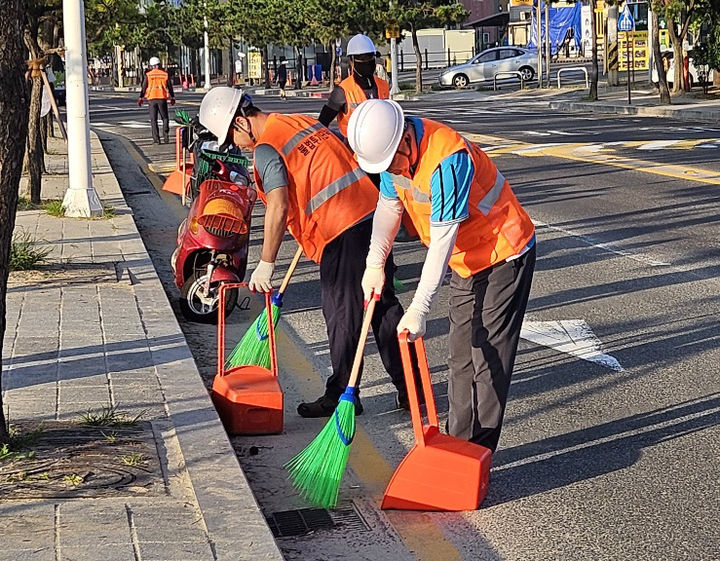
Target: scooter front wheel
(199, 307)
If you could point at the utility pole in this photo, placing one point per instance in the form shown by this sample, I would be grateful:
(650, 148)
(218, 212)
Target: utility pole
(206, 50)
(538, 43)
(81, 199)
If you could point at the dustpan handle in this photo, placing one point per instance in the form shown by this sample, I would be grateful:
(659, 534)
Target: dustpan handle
(426, 382)
(412, 388)
(271, 334)
(221, 332)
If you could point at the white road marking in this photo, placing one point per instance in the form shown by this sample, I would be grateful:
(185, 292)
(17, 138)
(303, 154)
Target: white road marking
(658, 144)
(573, 337)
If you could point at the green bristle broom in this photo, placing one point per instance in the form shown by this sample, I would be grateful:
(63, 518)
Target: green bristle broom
(316, 472)
(254, 348)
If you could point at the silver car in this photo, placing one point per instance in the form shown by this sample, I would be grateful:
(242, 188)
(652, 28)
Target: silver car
(484, 66)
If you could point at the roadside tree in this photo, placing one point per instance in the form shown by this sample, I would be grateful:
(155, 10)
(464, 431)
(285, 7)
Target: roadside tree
(13, 128)
(413, 15)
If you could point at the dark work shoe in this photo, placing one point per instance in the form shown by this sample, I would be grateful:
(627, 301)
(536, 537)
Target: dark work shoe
(324, 407)
(403, 402)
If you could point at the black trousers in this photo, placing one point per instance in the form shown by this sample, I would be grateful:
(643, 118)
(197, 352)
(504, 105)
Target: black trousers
(159, 106)
(486, 314)
(341, 270)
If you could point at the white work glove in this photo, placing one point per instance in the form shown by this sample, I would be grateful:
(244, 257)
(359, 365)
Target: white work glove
(372, 282)
(260, 280)
(413, 321)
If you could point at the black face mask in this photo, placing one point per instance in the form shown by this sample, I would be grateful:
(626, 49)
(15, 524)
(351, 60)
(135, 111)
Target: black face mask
(365, 69)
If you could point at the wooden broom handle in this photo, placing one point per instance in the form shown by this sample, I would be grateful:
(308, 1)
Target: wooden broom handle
(355, 372)
(291, 270)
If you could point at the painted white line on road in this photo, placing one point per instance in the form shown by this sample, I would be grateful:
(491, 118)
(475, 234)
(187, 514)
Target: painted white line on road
(640, 258)
(658, 144)
(537, 133)
(573, 337)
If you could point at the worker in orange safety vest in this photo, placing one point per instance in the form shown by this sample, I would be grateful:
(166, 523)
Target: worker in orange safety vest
(311, 185)
(157, 89)
(469, 218)
(362, 84)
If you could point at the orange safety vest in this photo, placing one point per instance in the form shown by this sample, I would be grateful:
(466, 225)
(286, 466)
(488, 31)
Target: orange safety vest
(354, 96)
(157, 84)
(327, 191)
(497, 226)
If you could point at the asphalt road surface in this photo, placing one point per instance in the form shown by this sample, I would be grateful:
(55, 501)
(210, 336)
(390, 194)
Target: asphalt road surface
(609, 448)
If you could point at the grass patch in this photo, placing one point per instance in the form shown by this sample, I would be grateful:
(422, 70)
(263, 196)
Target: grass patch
(133, 460)
(26, 252)
(109, 416)
(7, 454)
(108, 212)
(73, 479)
(54, 208)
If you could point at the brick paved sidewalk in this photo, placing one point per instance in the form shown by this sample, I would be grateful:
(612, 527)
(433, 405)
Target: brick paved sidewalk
(94, 330)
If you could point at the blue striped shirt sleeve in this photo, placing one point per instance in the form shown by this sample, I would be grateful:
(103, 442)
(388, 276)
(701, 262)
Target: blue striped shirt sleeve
(387, 187)
(450, 189)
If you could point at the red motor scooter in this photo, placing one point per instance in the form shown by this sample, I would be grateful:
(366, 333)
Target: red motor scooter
(212, 243)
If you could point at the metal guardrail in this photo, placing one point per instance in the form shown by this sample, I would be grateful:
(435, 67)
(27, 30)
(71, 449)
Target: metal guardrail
(509, 74)
(576, 69)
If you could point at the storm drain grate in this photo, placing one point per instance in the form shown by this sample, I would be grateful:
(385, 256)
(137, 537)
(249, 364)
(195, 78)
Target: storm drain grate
(307, 520)
(299, 522)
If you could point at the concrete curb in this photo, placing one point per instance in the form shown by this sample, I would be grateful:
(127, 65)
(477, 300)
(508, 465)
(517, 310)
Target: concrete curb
(232, 516)
(683, 114)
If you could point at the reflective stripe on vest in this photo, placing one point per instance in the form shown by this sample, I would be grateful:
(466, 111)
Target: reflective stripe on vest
(355, 95)
(295, 140)
(157, 84)
(488, 201)
(327, 191)
(497, 227)
(333, 189)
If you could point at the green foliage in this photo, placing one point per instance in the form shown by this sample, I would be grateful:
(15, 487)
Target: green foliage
(54, 208)
(109, 416)
(414, 14)
(26, 252)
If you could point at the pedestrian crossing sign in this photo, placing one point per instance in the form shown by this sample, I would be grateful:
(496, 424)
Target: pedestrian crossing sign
(625, 21)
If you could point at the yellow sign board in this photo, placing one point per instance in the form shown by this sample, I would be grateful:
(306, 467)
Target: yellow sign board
(515, 3)
(392, 31)
(639, 50)
(254, 65)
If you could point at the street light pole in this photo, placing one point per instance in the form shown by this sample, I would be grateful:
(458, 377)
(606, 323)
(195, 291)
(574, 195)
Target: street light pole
(395, 88)
(538, 43)
(206, 50)
(81, 199)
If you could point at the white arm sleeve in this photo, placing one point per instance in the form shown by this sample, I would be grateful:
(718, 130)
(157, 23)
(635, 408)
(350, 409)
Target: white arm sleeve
(386, 224)
(442, 241)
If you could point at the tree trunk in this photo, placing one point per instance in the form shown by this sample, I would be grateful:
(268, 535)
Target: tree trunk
(593, 94)
(657, 57)
(13, 129)
(299, 69)
(677, 55)
(267, 66)
(418, 61)
(35, 153)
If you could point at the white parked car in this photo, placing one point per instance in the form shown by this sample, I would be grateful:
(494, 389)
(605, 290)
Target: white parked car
(697, 76)
(484, 66)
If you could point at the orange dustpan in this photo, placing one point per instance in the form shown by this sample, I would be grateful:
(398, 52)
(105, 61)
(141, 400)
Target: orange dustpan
(441, 472)
(248, 398)
(179, 180)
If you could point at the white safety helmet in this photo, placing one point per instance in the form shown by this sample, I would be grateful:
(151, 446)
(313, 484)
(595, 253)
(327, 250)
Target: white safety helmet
(154, 61)
(374, 133)
(360, 45)
(218, 108)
